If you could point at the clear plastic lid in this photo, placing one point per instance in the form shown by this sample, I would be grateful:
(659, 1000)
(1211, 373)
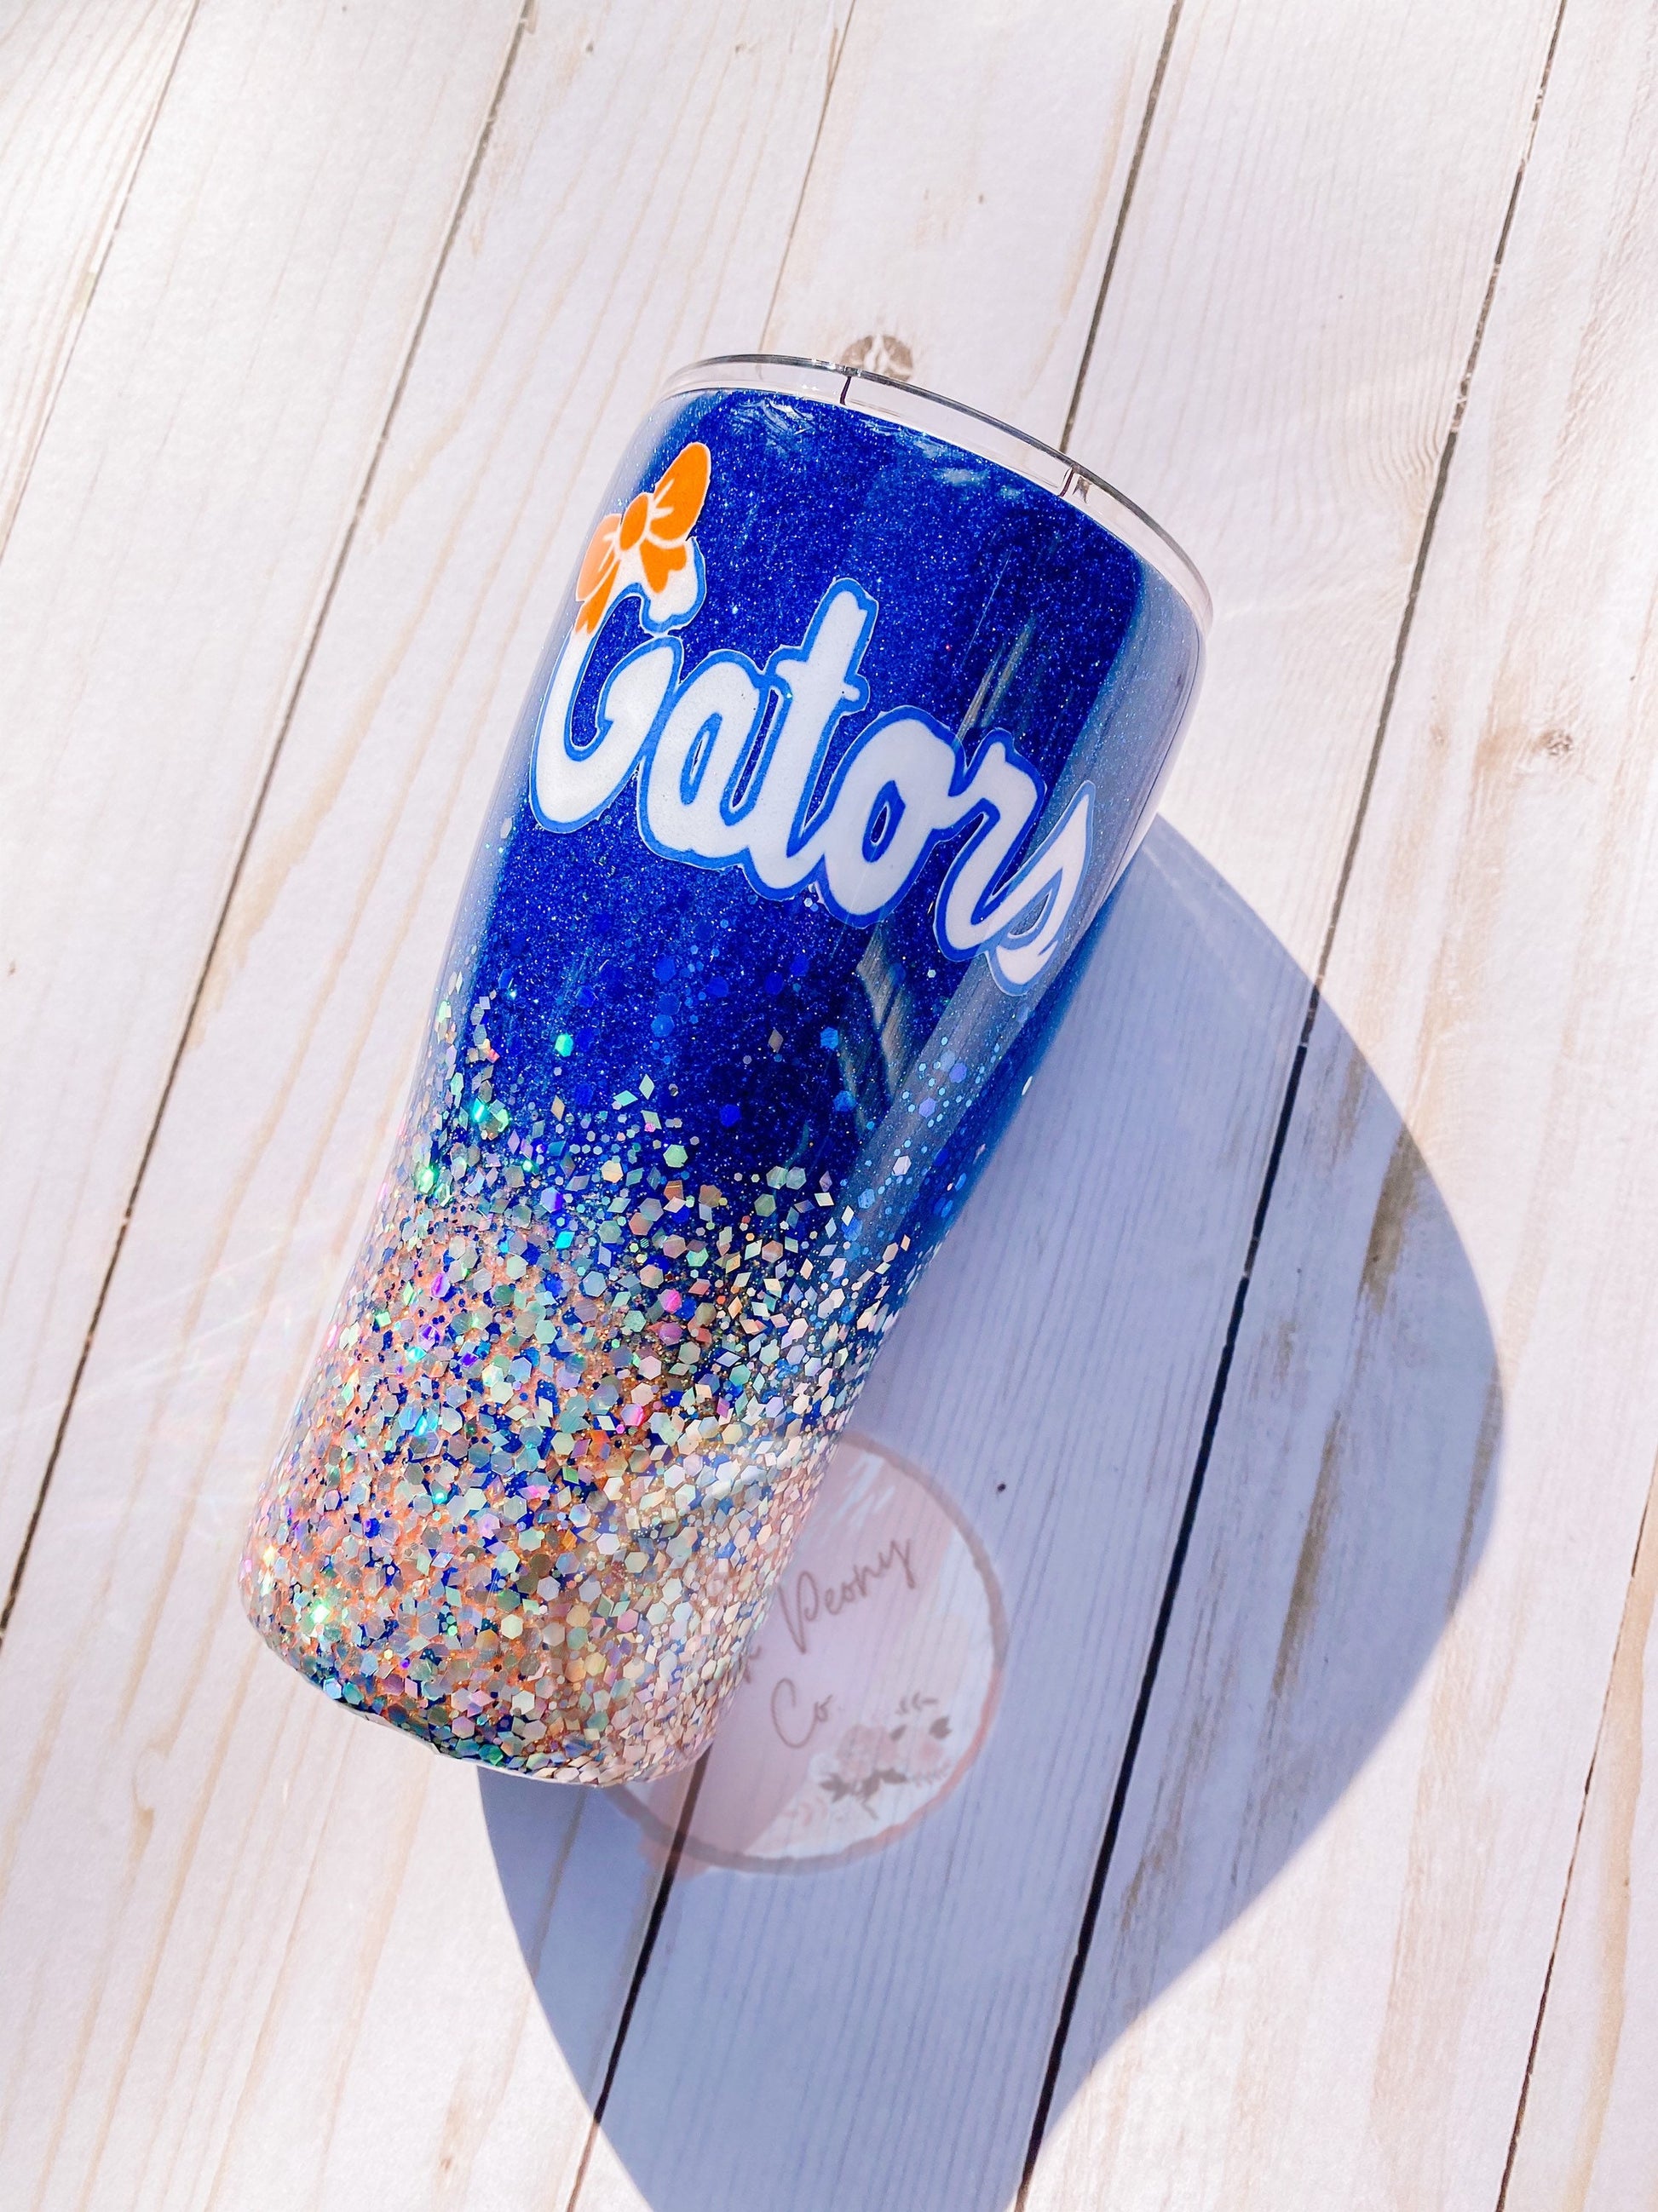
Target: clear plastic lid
(952, 423)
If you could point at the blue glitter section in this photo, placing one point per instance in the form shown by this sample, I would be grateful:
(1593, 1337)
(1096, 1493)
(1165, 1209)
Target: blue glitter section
(1001, 608)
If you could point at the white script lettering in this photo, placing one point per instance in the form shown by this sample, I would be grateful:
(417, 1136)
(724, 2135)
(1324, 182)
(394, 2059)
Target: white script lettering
(728, 759)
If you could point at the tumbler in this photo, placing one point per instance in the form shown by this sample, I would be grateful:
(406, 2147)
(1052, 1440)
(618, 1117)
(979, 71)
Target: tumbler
(852, 716)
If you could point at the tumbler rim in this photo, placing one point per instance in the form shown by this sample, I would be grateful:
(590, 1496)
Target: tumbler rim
(953, 423)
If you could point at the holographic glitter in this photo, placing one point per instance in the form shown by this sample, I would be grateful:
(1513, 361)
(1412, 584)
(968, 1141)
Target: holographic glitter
(688, 1128)
(562, 1432)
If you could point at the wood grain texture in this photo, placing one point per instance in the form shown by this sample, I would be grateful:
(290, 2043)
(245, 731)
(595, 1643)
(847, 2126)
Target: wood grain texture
(966, 188)
(1275, 372)
(1362, 2037)
(80, 84)
(164, 576)
(1588, 2138)
(220, 1943)
(1055, 1369)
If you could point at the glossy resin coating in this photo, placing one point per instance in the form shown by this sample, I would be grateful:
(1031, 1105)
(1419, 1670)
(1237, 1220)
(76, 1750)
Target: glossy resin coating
(841, 738)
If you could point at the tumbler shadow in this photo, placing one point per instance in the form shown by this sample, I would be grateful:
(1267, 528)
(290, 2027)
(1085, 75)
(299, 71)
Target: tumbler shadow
(877, 2033)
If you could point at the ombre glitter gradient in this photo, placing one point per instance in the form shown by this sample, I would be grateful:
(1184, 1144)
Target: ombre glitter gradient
(679, 1149)
(562, 1431)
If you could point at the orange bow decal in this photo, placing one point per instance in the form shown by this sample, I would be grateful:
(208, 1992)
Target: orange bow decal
(658, 522)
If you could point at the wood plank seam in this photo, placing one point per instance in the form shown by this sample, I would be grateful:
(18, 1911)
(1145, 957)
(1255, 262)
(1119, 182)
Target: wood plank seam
(250, 832)
(85, 309)
(1090, 1915)
(659, 1905)
(1565, 1894)
(1136, 158)
(1188, 1519)
(1442, 478)
(637, 1980)
(1362, 2037)
(838, 43)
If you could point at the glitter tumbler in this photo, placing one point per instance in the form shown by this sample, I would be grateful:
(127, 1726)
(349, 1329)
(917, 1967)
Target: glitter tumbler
(855, 710)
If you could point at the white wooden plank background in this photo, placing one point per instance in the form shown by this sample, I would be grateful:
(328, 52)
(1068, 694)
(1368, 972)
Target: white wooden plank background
(80, 85)
(301, 476)
(185, 512)
(1492, 963)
